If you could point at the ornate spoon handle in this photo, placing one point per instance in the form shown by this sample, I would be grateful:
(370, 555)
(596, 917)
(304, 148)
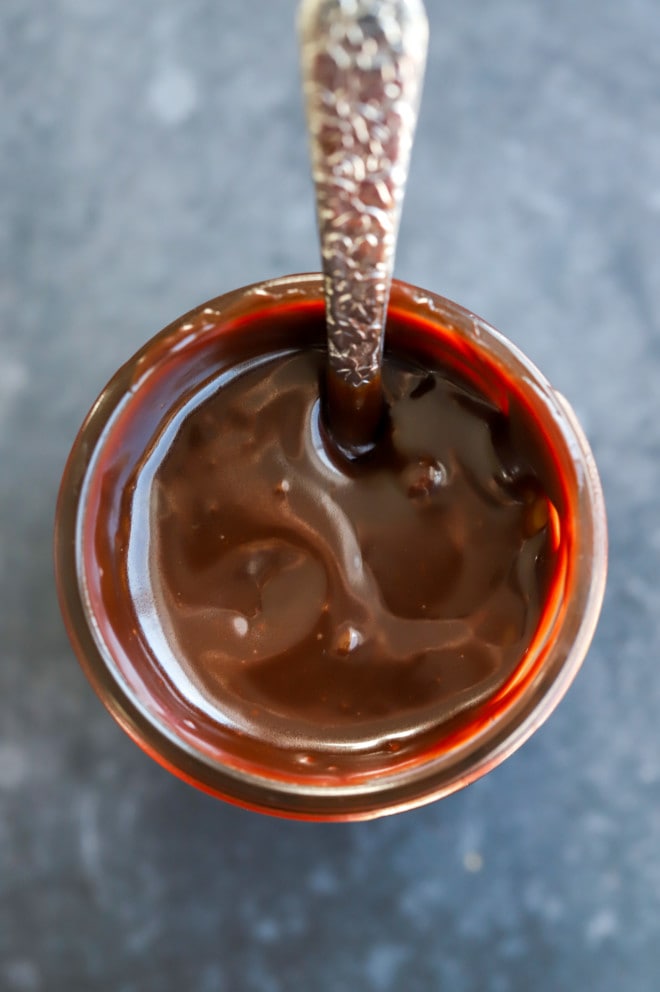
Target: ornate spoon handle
(363, 63)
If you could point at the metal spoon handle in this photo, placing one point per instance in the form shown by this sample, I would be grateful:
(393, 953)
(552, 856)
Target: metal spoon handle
(363, 63)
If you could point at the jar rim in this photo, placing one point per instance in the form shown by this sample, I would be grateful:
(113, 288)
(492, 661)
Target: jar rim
(565, 645)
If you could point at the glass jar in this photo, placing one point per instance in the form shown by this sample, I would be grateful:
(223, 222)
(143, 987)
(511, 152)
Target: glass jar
(142, 691)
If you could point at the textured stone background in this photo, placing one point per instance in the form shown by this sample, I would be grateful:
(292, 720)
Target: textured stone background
(152, 154)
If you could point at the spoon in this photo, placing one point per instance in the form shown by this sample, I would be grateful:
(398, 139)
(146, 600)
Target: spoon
(362, 66)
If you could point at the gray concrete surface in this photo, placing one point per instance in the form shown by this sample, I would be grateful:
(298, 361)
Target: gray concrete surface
(153, 155)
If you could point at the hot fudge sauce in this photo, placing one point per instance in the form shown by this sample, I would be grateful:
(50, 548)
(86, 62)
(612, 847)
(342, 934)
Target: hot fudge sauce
(297, 610)
(327, 606)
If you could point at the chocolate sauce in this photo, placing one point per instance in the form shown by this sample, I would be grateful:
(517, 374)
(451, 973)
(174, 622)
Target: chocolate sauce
(336, 611)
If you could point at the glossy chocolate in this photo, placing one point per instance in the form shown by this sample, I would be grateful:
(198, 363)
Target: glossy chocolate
(336, 615)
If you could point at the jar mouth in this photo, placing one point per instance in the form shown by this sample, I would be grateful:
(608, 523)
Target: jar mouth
(526, 700)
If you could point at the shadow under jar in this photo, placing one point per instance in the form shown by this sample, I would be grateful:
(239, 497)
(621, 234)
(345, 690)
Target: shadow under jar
(307, 635)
